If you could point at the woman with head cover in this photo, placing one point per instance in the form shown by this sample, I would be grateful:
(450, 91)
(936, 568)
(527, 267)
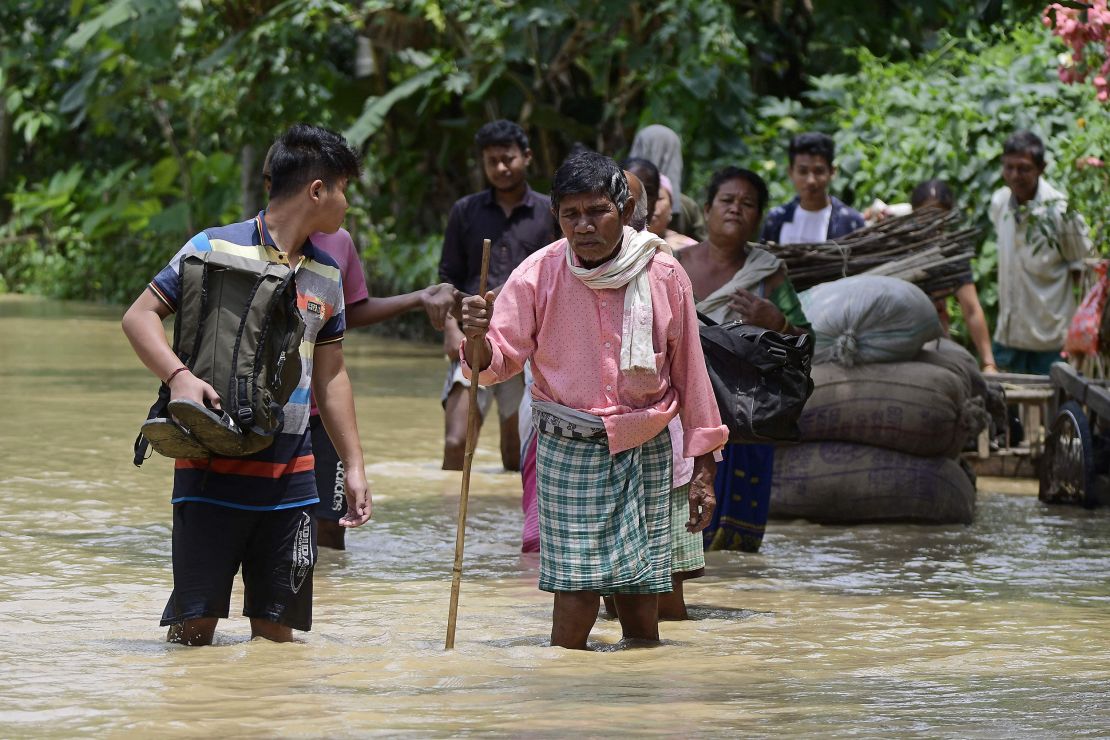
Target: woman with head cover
(937, 193)
(735, 280)
(662, 217)
(661, 146)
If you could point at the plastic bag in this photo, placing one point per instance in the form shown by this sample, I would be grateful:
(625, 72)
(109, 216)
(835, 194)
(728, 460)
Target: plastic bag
(869, 318)
(1082, 336)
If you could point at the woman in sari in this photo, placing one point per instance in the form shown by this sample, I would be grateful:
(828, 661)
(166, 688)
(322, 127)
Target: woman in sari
(734, 280)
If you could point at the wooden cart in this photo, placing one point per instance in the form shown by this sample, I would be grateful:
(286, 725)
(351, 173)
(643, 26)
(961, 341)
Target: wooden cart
(1075, 466)
(1034, 401)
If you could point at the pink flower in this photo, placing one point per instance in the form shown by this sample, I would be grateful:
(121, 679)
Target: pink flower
(1094, 162)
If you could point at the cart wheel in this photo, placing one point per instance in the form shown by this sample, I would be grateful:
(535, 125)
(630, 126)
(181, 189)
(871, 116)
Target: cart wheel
(1067, 467)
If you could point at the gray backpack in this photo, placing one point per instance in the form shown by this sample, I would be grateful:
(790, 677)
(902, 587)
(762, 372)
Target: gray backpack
(237, 327)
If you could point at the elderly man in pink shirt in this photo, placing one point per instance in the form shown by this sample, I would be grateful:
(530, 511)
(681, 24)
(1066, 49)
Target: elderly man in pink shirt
(607, 321)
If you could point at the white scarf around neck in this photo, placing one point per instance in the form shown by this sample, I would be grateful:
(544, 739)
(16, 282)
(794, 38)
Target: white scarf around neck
(629, 267)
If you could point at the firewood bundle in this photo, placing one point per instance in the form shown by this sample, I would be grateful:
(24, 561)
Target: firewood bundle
(926, 247)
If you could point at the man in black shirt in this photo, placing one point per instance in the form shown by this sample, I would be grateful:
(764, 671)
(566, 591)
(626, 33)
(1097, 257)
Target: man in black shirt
(517, 221)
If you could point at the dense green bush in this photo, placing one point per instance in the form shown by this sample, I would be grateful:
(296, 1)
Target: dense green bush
(946, 114)
(149, 118)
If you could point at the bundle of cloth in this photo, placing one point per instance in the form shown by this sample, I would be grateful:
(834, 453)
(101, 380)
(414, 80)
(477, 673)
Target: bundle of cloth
(893, 406)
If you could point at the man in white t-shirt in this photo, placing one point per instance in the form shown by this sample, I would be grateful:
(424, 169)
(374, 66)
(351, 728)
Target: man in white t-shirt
(813, 215)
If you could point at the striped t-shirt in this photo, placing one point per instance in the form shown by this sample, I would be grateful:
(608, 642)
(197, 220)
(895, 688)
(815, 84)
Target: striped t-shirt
(280, 476)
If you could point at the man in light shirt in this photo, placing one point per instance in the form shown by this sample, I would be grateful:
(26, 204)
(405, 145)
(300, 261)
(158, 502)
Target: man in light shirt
(1040, 244)
(605, 389)
(813, 215)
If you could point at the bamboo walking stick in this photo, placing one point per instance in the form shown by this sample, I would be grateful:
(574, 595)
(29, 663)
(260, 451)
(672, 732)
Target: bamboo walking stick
(468, 459)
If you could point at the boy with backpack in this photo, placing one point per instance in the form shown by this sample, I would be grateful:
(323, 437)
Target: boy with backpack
(255, 511)
(360, 309)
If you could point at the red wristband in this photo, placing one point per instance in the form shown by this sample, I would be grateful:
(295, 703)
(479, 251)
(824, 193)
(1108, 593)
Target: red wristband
(174, 374)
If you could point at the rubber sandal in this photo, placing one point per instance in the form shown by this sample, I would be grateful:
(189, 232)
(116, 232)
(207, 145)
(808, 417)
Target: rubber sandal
(167, 438)
(215, 429)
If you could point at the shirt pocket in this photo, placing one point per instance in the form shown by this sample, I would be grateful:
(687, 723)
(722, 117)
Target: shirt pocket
(1041, 259)
(315, 313)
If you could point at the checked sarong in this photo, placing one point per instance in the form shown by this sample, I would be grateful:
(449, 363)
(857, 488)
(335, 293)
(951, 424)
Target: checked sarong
(687, 553)
(604, 519)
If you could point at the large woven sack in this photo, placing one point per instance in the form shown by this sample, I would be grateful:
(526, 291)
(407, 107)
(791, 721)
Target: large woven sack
(987, 401)
(836, 482)
(869, 318)
(945, 353)
(912, 407)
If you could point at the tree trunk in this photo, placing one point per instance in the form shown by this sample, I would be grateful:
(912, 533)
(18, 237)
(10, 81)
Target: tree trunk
(5, 156)
(253, 197)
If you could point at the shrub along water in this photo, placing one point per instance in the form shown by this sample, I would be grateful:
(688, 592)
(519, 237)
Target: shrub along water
(946, 115)
(151, 118)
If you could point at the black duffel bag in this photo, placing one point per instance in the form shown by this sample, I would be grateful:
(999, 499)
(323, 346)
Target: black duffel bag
(760, 378)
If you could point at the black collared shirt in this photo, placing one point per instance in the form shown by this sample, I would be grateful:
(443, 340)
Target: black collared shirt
(477, 217)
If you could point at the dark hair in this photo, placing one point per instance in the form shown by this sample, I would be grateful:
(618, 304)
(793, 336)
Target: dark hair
(720, 177)
(501, 133)
(648, 174)
(819, 145)
(589, 172)
(1025, 142)
(937, 190)
(305, 153)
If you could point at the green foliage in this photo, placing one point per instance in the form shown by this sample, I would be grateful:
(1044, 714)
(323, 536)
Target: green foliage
(90, 235)
(131, 138)
(135, 123)
(945, 115)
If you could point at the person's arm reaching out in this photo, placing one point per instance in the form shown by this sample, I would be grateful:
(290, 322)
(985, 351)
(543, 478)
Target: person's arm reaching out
(436, 300)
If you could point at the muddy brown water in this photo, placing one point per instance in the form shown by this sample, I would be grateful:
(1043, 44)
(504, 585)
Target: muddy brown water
(997, 629)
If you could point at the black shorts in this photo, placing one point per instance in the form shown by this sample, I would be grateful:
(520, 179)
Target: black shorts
(277, 550)
(330, 478)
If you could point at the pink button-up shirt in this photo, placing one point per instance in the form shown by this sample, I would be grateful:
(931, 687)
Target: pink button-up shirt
(572, 335)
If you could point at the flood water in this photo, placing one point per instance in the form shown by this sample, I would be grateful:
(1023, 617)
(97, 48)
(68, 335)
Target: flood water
(999, 629)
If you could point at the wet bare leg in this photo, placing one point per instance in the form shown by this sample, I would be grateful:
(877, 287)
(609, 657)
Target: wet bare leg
(271, 631)
(510, 443)
(672, 606)
(639, 616)
(454, 437)
(610, 607)
(572, 618)
(193, 631)
(330, 534)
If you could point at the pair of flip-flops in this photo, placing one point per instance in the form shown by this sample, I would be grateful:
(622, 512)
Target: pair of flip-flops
(194, 431)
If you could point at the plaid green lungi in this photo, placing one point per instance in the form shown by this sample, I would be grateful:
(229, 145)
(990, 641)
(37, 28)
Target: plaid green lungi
(605, 520)
(687, 553)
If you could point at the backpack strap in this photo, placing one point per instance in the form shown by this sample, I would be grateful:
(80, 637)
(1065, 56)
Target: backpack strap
(276, 410)
(268, 321)
(239, 391)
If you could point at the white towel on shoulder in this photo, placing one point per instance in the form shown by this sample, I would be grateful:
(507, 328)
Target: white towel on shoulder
(629, 267)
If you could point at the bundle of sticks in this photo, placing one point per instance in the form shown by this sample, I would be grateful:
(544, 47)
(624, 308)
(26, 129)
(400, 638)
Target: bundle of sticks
(926, 247)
